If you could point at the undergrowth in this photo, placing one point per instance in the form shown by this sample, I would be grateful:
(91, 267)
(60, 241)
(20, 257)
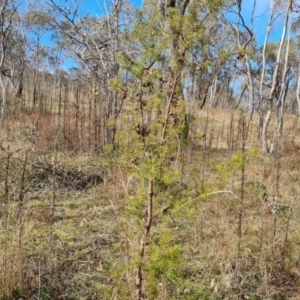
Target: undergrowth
(71, 224)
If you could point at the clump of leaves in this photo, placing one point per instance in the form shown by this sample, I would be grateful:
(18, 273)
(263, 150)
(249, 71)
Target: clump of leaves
(163, 268)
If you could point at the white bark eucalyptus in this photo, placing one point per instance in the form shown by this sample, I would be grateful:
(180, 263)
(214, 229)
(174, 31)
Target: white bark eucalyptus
(298, 96)
(267, 145)
(283, 92)
(7, 11)
(263, 70)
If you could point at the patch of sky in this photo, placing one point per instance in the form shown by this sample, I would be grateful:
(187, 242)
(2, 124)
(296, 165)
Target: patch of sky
(257, 19)
(86, 7)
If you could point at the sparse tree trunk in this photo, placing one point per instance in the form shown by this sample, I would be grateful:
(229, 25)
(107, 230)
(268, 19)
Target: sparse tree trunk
(298, 96)
(265, 144)
(250, 88)
(5, 28)
(283, 92)
(261, 93)
(4, 97)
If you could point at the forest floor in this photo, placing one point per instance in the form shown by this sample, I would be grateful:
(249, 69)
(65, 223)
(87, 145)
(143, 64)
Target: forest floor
(68, 231)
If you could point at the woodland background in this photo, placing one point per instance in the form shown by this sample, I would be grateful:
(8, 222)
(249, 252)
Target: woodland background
(149, 153)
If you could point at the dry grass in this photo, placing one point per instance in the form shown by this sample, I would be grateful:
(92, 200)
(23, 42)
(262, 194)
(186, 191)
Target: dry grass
(62, 242)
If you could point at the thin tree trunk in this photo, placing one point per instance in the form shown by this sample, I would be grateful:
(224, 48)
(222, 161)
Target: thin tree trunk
(251, 89)
(148, 225)
(265, 145)
(261, 98)
(4, 98)
(283, 93)
(298, 96)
